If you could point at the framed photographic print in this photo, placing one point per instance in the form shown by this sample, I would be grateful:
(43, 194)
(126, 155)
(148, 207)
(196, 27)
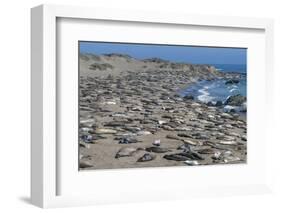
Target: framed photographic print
(148, 105)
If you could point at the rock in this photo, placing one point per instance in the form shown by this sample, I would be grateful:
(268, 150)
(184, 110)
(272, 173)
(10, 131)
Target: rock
(132, 129)
(146, 157)
(157, 149)
(188, 97)
(235, 100)
(105, 131)
(125, 135)
(183, 129)
(232, 81)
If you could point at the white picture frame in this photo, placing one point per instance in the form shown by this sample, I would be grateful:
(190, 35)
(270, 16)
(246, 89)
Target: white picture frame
(44, 148)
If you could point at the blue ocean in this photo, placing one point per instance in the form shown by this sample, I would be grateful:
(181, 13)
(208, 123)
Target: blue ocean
(218, 90)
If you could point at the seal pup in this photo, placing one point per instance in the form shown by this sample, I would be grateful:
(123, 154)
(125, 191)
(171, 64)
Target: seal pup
(146, 157)
(127, 152)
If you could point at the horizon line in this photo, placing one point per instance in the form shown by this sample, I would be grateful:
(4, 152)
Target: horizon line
(104, 54)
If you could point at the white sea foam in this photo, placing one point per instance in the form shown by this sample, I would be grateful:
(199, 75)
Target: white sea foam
(228, 108)
(233, 90)
(205, 95)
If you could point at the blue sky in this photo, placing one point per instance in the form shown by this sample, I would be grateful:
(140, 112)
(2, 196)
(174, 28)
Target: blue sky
(189, 54)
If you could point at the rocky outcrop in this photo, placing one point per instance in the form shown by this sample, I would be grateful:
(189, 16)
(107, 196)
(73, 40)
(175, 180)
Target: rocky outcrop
(232, 81)
(235, 100)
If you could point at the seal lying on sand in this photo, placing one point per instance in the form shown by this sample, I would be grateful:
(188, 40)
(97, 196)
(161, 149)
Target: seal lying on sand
(191, 162)
(85, 164)
(206, 151)
(185, 147)
(146, 157)
(127, 152)
(175, 157)
(183, 156)
(157, 149)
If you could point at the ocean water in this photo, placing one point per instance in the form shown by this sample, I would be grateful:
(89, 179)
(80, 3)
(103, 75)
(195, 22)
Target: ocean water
(240, 68)
(213, 91)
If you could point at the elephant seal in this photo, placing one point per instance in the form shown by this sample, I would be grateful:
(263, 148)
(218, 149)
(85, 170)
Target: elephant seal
(185, 147)
(175, 157)
(127, 152)
(206, 151)
(157, 149)
(146, 157)
(183, 156)
(192, 155)
(85, 164)
(157, 142)
(191, 162)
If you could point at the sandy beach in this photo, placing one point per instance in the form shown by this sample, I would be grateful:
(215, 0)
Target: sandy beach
(131, 115)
